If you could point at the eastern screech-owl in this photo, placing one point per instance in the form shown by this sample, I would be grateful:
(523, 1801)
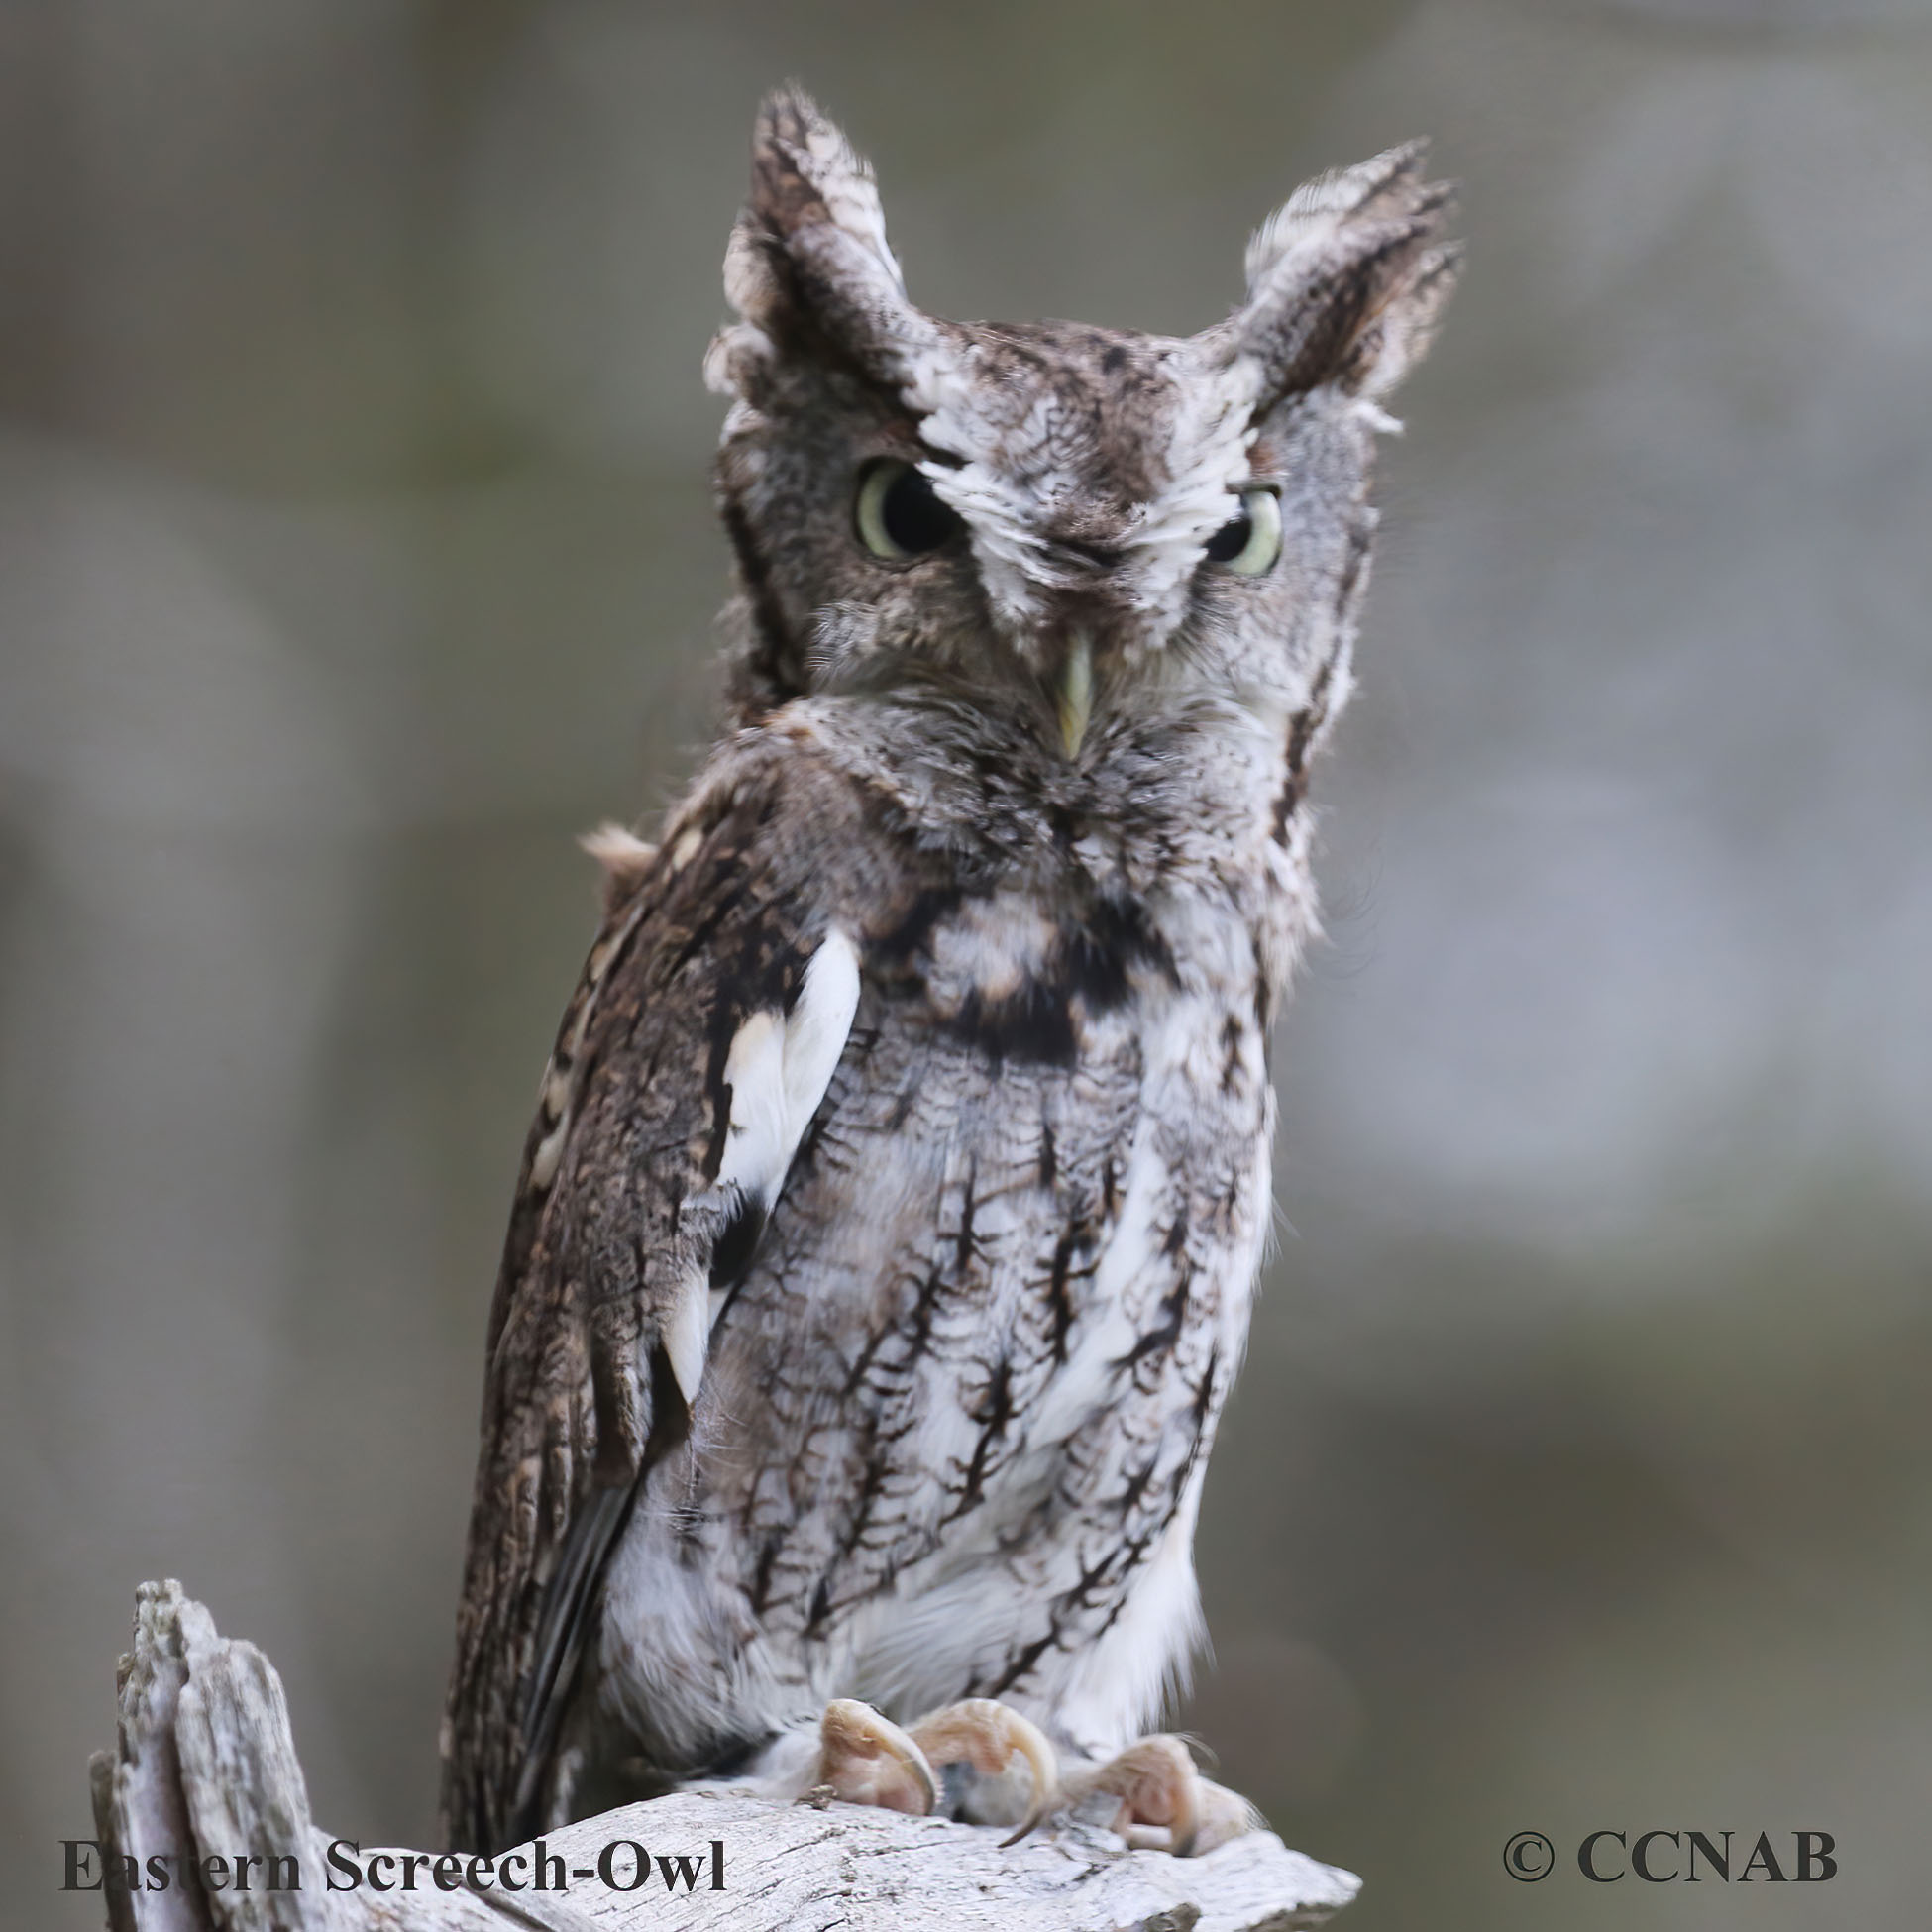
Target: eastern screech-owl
(884, 1244)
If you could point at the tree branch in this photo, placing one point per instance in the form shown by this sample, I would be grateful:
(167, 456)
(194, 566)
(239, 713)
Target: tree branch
(205, 1789)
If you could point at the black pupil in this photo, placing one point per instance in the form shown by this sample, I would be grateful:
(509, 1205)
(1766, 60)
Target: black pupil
(1230, 540)
(913, 516)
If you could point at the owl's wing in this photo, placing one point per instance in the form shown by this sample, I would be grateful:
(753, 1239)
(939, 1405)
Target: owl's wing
(712, 1014)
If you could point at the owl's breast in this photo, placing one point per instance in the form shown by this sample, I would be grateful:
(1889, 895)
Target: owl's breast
(973, 1370)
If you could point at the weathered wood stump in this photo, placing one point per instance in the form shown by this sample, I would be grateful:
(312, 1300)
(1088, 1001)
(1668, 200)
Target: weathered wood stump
(204, 1792)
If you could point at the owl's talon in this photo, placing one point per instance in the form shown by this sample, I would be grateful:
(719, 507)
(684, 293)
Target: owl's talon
(1163, 1801)
(990, 1737)
(864, 1758)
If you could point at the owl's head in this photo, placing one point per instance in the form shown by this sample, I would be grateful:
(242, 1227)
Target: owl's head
(1072, 524)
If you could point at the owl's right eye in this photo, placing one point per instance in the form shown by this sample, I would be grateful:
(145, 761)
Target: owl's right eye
(899, 515)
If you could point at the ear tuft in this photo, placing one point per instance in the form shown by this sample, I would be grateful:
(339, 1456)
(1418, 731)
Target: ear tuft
(809, 265)
(1347, 281)
(1342, 194)
(1401, 334)
(804, 173)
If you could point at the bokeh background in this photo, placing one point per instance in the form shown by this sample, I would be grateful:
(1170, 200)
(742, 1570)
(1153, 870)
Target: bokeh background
(356, 552)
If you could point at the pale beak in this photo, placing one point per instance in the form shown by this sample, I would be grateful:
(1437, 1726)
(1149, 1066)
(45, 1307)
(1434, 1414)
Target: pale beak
(1076, 693)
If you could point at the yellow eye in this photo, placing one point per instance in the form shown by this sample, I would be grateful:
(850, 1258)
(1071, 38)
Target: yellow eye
(1250, 542)
(898, 513)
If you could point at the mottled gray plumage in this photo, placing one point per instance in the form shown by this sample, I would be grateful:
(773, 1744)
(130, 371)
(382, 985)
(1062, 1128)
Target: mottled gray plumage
(884, 1245)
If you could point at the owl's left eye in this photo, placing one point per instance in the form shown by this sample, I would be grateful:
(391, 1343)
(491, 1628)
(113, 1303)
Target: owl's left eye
(1250, 542)
(899, 515)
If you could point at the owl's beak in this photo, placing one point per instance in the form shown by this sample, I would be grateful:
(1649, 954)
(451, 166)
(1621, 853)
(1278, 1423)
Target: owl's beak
(1075, 696)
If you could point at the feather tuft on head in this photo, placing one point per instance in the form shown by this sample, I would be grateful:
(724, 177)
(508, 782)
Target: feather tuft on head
(809, 265)
(1346, 281)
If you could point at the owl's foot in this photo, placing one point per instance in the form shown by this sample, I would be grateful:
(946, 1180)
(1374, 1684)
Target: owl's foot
(976, 1746)
(982, 1762)
(866, 1758)
(1159, 1799)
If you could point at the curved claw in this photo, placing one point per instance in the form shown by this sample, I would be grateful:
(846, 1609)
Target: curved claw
(1026, 1826)
(864, 1758)
(989, 1736)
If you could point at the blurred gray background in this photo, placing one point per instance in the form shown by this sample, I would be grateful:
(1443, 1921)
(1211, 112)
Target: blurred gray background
(356, 552)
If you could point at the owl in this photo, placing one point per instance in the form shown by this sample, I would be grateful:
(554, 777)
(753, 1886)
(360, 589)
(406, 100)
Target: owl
(883, 1249)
